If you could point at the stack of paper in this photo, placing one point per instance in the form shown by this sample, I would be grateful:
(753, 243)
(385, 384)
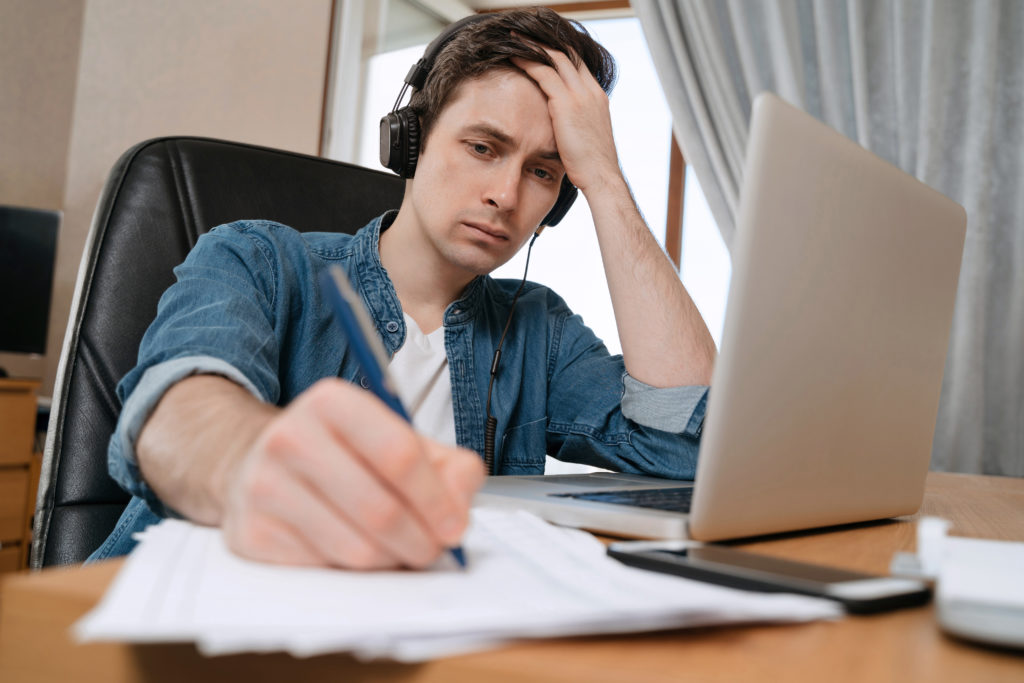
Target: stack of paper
(526, 579)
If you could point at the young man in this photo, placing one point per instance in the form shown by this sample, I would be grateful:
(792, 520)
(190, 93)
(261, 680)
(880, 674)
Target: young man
(245, 410)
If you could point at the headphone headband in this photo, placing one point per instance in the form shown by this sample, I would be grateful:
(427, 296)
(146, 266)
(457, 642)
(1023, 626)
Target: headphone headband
(417, 75)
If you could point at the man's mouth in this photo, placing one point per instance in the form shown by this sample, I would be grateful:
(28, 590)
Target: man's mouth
(487, 229)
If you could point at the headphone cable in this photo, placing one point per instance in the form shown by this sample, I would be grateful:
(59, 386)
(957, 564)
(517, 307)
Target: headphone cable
(492, 422)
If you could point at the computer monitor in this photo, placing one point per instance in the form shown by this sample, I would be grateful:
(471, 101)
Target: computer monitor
(28, 245)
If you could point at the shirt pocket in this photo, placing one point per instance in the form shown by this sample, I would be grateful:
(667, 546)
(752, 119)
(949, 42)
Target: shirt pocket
(523, 448)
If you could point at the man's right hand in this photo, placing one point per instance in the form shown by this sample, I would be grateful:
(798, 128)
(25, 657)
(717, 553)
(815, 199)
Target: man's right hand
(334, 479)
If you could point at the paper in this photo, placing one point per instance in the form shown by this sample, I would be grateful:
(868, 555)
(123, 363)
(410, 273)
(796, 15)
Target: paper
(526, 579)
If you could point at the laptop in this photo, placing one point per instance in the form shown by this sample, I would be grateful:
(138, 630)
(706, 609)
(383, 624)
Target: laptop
(825, 393)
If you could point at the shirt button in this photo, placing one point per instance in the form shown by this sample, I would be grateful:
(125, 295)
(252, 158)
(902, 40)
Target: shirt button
(364, 383)
(392, 326)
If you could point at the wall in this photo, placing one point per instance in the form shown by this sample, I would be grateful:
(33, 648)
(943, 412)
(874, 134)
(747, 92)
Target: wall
(39, 44)
(247, 70)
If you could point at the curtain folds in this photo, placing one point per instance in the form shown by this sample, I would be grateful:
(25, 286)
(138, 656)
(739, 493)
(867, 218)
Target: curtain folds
(934, 86)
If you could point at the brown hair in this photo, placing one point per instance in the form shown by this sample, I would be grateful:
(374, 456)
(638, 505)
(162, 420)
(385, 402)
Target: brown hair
(489, 45)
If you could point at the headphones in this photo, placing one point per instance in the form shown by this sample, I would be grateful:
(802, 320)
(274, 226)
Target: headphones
(400, 129)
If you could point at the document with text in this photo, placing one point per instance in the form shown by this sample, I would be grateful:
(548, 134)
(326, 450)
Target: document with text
(526, 579)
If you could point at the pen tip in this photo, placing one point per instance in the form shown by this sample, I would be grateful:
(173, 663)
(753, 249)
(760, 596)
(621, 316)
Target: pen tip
(460, 556)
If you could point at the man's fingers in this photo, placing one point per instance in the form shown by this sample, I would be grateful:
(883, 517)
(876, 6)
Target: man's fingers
(461, 470)
(264, 539)
(547, 78)
(339, 479)
(339, 507)
(389, 447)
(570, 73)
(328, 493)
(567, 70)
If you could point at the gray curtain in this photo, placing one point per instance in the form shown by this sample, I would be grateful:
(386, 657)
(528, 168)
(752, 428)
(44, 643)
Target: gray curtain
(935, 87)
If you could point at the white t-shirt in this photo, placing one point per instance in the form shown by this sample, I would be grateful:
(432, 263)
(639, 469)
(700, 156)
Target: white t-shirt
(419, 370)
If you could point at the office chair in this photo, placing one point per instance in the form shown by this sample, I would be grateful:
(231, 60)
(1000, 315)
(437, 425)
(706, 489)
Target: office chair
(160, 196)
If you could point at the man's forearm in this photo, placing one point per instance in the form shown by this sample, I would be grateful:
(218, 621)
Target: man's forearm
(665, 341)
(199, 431)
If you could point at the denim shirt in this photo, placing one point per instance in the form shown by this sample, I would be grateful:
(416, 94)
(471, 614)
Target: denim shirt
(247, 306)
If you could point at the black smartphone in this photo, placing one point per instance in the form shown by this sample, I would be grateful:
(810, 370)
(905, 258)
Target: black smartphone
(860, 593)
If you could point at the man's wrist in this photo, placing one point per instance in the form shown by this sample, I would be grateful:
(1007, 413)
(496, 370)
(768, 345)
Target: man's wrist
(605, 184)
(189, 446)
(227, 470)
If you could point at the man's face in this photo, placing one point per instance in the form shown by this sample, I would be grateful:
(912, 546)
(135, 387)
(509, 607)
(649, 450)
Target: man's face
(488, 174)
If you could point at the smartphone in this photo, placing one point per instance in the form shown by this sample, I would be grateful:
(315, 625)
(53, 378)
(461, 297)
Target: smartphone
(860, 593)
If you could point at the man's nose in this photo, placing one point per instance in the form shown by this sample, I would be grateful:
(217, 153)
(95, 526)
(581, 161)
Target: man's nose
(503, 188)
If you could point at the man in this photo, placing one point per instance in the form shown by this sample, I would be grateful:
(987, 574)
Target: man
(238, 414)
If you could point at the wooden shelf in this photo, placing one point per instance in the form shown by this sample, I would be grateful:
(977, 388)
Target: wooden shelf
(19, 470)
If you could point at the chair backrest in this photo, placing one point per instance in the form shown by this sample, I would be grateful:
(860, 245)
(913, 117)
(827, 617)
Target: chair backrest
(160, 196)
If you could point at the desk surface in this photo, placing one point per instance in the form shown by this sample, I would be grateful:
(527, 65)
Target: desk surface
(36, 611)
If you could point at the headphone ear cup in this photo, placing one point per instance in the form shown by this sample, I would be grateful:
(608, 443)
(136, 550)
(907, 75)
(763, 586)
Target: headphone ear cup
(400, 130)
(412, 135)
(566, 196)
(400, 141)
(390, 141)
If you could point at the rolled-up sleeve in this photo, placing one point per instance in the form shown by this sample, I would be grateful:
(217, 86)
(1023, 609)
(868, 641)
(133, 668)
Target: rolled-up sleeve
(679, 410)
(122, 460)
(599, 415)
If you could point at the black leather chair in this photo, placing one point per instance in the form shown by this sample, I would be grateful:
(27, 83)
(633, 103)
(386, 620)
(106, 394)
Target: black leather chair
(160, 196)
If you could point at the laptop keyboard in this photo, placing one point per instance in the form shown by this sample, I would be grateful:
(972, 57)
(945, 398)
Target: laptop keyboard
(672, 500)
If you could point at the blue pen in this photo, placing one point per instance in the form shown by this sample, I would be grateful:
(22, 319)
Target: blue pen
(370, 353)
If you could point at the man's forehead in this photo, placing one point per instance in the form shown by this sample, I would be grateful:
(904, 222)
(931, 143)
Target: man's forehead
(505, 106)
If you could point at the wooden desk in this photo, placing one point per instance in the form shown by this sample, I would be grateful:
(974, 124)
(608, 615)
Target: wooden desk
(899, 646)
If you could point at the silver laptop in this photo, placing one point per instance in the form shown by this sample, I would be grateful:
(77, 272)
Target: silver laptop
(825, 393)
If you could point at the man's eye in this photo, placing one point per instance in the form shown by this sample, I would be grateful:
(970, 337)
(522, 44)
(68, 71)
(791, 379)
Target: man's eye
(542, 174)
(480, 148)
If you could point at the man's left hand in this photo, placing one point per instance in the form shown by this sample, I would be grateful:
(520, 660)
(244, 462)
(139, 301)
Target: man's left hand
(580, 118)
